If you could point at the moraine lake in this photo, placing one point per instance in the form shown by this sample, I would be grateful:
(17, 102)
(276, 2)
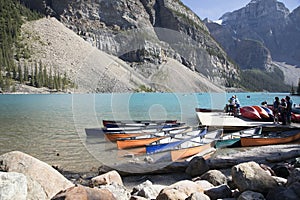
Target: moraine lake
(52, 127)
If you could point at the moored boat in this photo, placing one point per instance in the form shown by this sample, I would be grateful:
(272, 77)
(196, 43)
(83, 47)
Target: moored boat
(173, 141)
(138, 142)
(233, 139)
(146, 128)
(262, 112)
(196, 145)
(271, 138)
(144, 139)
(114, 136)
(250, 113)
(135, 123)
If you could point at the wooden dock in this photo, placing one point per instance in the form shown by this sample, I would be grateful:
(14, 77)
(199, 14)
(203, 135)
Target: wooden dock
(231, 123)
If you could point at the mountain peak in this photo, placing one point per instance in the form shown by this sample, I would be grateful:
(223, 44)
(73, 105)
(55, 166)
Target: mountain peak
(258, 9)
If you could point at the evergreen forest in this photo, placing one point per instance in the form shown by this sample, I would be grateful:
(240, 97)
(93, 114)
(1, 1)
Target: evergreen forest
(12, 15)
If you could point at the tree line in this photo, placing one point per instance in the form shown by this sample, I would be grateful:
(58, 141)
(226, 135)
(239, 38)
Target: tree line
(12, 16)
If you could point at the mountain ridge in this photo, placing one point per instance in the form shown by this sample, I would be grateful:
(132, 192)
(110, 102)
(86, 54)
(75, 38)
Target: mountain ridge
(139, 33)
(262, 35)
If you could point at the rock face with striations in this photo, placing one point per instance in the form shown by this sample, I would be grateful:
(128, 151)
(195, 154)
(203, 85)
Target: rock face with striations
(261, 31)
(145, 33)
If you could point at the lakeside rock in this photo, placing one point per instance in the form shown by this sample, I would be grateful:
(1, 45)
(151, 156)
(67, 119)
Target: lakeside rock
(43, 181)
(38, 180)
(13, 185)
(250, 176)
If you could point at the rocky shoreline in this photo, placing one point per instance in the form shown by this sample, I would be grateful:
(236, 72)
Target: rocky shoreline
(236, 176)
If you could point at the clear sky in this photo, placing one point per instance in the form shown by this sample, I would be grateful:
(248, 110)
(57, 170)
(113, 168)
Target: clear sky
(214, 9)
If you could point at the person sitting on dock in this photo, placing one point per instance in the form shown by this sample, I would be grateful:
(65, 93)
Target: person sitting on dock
(237, 105)
(231, 105)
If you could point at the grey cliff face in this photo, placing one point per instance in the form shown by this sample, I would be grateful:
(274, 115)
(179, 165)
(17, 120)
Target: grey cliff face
(270, 27)
(144, 33)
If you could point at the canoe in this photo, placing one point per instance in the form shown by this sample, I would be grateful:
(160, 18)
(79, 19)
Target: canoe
(269, 111)
(114, 123)
(134, 128)
(271, 138)
(196, 145)
(295, 117)
(114, 136)
(262, 112)
(180, 154)
(131, 143)
(144, 139)
(250, 113)
(233, 139)
(172, 141)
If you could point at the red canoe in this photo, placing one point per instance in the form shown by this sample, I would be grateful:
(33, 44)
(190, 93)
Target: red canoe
(250, 113)
(295, 118)
(262, 112)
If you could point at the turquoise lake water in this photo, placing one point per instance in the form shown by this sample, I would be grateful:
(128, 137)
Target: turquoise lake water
(52, 127)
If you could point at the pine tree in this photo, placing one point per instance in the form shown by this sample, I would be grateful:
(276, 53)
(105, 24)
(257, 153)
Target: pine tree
(35, 75)
(50, 80)
(25, 77)
(64, 81)
(32, 80)
(45, 77)
(40, 75)
(20, 74)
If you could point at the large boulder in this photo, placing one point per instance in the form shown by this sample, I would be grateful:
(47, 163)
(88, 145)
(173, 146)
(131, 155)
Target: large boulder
(107, 178)
(147, 190)
(180, 190)
(294, 177)
(198, 196)
(197, 166)
(84, 193)
(218, 192)
(250, 176)
(282, 170)
(13, 185)
(251, 195)
(120, 192)
(204, 184)
(43, 181)
(215, 177)
(291, 192)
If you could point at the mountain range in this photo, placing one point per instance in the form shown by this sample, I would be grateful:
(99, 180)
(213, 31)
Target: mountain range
(161, 45)
(261, 35)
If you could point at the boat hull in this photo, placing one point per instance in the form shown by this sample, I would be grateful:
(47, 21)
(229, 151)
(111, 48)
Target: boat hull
(131, 143)
(179, 154)
(228, 143)
(113, 137)
(250, 113)
(262, 112)
(261, 141)
(114, 123)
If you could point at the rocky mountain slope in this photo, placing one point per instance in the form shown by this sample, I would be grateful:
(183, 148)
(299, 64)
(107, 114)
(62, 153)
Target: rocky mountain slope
(261, 32)
(96, 71)
(144, 36)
